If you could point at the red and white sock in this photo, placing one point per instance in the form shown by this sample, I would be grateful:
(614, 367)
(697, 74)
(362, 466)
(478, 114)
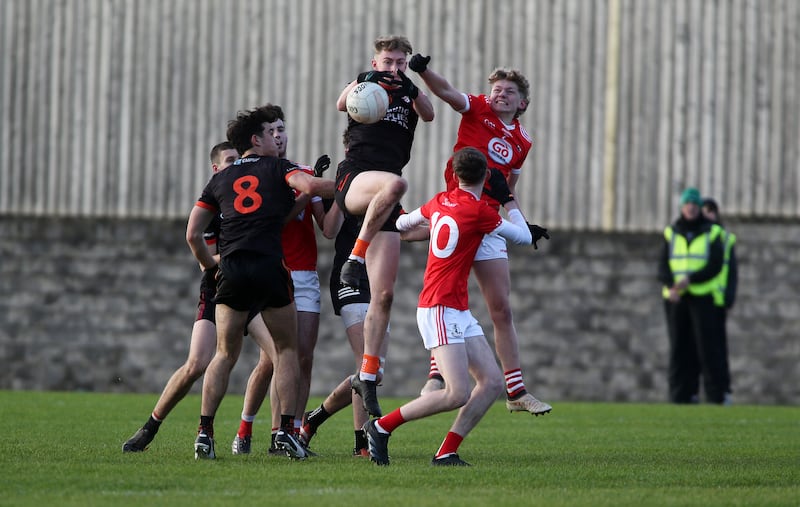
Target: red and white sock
(515, 387)
(434, 370)
(246, 425)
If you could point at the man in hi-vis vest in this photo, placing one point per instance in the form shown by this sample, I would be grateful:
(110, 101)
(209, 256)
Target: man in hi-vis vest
(691, 259)
(727, 281)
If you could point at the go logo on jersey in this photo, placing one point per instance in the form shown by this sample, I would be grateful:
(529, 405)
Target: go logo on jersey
(443, 228)
(500, 151)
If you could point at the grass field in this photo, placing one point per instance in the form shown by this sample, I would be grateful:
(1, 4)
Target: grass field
(60, 449)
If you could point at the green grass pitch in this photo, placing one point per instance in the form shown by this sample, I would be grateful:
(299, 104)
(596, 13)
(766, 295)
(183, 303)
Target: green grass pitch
(64, 449)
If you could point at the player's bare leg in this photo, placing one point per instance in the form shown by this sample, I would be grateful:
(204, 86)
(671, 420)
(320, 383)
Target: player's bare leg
(495, 283)
(307, 333)
(282, 325)
(488, 385)
(257, 386)
(453, 364)
(230, 326)
(382, 261)
(344, 395)
(375, 195)
(201, 351)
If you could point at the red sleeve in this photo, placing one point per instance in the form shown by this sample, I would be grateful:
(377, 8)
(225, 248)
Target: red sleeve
(489, 219)
(207, 206)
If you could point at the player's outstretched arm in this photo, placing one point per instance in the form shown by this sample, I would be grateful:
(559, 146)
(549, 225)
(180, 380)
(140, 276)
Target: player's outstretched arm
(304, 182)
(516, 230)
(409, 221)
(437, 84)
(421, 102)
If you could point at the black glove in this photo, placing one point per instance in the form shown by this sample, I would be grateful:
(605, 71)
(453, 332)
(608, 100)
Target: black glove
(321, 165)
(407, 86)
(419, 63)
(496, 187)
(376, 76)
(537, 233)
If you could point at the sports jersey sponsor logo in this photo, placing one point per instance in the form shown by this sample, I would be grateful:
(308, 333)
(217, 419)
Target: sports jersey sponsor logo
(398, 115)
(245, 160)
(500, 151)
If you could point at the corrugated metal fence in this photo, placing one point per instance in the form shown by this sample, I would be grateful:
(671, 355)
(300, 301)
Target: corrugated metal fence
(109, 107)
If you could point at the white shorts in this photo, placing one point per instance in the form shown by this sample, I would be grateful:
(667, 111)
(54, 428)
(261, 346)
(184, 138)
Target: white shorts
(441, 325)
(355, 313)
(306, 291)
(493, 246)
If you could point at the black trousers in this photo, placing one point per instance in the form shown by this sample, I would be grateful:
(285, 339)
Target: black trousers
(697, 349)
(722, 315)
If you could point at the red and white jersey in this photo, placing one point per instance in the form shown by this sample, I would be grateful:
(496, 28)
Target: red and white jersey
(458, 223)
(299, 239)
(506, 146)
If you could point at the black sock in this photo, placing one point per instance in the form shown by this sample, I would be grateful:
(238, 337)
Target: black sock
(518, 395)
(317, 416)
(152, 425)
(287, 423)
(361, 439)
(207, 425)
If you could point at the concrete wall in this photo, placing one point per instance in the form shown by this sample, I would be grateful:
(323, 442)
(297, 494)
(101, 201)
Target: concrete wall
(108, 305)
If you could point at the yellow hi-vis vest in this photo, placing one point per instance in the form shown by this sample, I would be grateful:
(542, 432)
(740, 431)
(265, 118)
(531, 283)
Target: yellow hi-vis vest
(728, 240)
(686, 258)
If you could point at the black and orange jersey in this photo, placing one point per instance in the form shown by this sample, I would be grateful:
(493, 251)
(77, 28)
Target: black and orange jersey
(253, 197)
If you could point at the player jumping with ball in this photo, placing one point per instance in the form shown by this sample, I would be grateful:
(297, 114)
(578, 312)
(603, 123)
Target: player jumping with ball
(369, 184)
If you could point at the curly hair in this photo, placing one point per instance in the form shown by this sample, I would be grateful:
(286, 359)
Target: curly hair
(249, 123)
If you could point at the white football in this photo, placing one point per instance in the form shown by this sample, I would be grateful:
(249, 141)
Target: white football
(367, 102)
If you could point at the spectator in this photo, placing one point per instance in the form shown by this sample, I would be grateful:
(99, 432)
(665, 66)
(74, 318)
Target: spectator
(690, 261)
(725, 294)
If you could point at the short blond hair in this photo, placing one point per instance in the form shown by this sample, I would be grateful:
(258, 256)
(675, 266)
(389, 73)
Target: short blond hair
(516, 77)
(393, 43)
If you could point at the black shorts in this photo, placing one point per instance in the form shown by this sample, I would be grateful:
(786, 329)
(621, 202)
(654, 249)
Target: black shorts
(251, 281)
(345, 175)
(208, 291)
(342, 295)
